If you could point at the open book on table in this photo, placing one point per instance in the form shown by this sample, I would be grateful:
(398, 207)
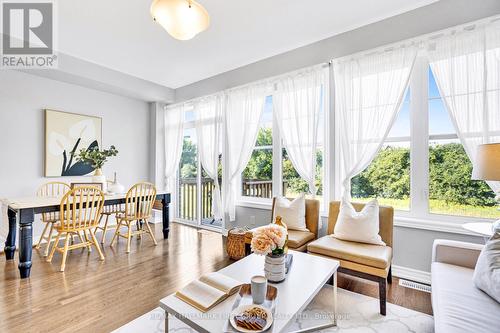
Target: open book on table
(208, 291)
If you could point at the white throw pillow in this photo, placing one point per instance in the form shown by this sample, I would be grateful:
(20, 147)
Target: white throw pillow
(293, 213)
(362, 227)
(487, 272)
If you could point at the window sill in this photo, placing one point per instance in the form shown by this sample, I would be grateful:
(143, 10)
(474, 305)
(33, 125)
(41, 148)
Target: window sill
(438, 225)
(265, 204)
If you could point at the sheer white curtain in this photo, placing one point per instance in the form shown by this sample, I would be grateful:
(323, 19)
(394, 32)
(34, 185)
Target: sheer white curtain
(174, 119)
(297, 103)
(208, 120)
(369, 91)
(466, 66)
(244, 108)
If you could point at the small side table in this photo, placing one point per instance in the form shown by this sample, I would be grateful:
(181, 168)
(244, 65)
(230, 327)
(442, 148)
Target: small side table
(483, 228)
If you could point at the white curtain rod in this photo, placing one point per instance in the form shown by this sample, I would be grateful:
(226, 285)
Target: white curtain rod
(422, 40)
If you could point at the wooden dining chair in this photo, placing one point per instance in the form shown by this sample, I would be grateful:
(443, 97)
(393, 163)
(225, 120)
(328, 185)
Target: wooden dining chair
(51, 189)
(106, 213)
(138, 208)
(80, 211)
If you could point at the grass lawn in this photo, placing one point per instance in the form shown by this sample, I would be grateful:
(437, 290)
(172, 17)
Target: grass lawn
(442, 207)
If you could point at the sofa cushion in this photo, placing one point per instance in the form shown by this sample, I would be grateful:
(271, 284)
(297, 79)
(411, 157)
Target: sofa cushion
(487, 272)
(298, 238)
(378, 256)
(457, 304)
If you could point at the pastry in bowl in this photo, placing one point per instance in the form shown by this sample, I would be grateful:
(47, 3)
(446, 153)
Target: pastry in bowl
(251, 318)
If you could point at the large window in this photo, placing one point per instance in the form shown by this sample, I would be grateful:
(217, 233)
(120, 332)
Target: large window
(257, 178)
(423, 136)
(270, 164)
(451, 188)
(387, 178)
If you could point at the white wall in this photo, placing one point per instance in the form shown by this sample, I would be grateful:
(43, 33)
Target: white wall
(23, 97)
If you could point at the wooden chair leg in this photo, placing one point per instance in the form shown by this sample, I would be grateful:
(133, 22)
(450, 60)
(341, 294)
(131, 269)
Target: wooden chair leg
(382, 285)
(37, 246)
(139, 228)
(87, 240)
(389, 276)
(56, 241)
(104, 229)
(65, 252)
(49, 240)
(96, 244)
(117, 232)
(129, 236)
(150, 232)
(80, 237)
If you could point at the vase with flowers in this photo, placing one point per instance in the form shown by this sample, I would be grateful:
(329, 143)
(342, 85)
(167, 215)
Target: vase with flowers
(270, 240)
(96, 158)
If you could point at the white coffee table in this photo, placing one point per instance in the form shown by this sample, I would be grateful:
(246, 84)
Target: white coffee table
(307, 276)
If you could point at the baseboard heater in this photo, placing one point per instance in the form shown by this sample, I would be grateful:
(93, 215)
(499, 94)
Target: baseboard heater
(415, 285)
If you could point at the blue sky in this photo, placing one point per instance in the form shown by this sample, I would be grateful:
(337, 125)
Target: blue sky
(439, 120)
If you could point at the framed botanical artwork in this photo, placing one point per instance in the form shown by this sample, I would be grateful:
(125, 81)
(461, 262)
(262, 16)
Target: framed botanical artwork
(65, 134)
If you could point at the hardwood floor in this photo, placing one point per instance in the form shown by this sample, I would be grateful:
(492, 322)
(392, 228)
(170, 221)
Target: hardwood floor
(95, 296)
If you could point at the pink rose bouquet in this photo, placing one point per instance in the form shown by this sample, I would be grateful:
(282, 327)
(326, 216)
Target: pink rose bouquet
(269, 239)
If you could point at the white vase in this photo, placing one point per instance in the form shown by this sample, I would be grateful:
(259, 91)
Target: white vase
(115, 187)
(99, 177)
(274, 268)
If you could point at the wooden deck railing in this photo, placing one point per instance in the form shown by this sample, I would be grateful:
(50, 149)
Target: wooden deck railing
(188, 195)
(257, 188)
(188, 198)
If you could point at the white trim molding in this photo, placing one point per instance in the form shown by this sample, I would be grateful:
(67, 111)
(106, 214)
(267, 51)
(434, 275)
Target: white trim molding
(411, 274)
(439, 225)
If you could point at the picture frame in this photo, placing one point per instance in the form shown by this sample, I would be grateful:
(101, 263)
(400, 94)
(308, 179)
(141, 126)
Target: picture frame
(65, 135)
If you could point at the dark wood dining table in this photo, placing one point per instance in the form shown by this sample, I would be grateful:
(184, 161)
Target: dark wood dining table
(21, 213)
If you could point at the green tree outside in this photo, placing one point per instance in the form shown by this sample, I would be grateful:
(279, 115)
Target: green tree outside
(450, 171)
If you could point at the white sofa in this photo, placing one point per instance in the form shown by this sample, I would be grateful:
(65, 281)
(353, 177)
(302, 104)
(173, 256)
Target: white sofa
(457, 304)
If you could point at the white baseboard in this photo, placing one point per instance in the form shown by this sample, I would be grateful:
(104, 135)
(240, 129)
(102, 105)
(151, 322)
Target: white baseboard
(411, 274)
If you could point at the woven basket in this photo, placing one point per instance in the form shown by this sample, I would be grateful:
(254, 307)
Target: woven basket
(236, 243)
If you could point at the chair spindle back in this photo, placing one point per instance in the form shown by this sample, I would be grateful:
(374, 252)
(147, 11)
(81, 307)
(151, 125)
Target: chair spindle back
(52, 189)
(81, 208)
(139, 200)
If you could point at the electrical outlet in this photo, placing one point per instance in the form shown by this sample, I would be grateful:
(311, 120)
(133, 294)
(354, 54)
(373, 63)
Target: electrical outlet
(252, 220)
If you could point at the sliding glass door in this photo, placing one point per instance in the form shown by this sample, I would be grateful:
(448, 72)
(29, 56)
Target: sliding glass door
(195, 190)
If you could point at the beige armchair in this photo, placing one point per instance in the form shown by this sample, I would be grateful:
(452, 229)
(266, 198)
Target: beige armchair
(367, 261)
(297, 240)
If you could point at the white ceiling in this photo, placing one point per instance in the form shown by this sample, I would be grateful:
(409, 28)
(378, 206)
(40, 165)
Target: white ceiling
(120, 34)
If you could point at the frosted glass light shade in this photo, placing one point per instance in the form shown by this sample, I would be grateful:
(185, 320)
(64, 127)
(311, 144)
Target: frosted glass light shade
(487, 166)
(183, 19)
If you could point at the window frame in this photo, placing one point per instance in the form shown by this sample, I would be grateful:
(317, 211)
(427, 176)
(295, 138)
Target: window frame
(419, 215)
(277, 174)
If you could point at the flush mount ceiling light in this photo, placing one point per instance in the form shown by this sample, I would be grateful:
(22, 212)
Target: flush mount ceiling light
(183, 19)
